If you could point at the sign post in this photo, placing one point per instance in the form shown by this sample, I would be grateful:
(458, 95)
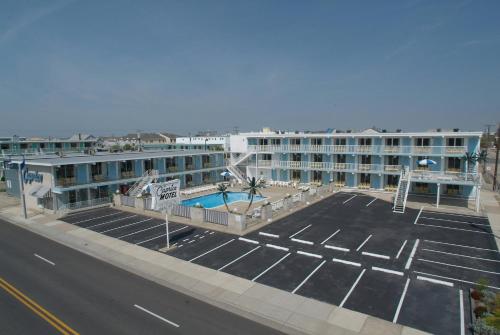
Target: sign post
(20, 168)
(165, 194)
(166, 226)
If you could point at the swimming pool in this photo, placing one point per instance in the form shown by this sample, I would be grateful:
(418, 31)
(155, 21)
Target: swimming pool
(215, 199)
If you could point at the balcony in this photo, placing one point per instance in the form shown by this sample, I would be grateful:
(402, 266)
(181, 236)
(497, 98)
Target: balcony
(189, 167)
(127, 174)
(172, 168)
(392, 168)
(460, 178)
(65, 181)
(208, 165)
(98, 178)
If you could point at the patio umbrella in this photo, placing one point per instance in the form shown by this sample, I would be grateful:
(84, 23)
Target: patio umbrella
(427, 162)
(226, 174)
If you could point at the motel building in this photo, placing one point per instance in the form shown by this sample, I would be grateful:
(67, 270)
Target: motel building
(74, 181)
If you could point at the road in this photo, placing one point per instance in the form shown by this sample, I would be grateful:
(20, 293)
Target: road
(47, 288)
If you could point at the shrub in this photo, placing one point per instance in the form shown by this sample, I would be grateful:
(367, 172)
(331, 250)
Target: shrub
(481, 284)
(476, 295)
(480, 310)
(481, 328)
(3, 178)
(493, 321)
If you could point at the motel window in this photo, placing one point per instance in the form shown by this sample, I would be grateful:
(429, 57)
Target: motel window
(296, 175)
(126, 166)
(295, 141)
(366, 159)
(340, 176)
(24, 146)
(452, 189)
(73, 145)
(189, 162)
(262, 141)
(148, 164)
(392, 180)
(275, 141)
(58, 145)
(392, 160)
(341, 158)
(266, 157)
(65, 171)
(96, 169)
(340, 141)
(365, 141)
(42, 145)
(296, 157)
(317, 158)
(423, 142)
(453, 163)
(455, 142)
(5, 147)
(365, 178)
(316, 141)
(317, 176)
(392, 142)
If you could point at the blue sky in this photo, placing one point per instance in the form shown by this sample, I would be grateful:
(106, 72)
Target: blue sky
(108, 67)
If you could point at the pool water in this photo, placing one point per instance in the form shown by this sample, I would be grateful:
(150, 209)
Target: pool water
(215, 199)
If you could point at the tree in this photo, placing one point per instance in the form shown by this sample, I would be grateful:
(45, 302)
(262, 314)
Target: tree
(222, 190)
(252, 189)
(470, 161)
(482, 157)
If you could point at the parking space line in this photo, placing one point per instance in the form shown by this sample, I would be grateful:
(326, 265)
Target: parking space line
(44, 259)
(248, 240)
(413, 251)
(154, 238)
(302, 241)
(420, 212)
(399, 273)
(329, 237)
(362, 244)
(401, 249)
(309, 276)
(458, 266)
(462, 319)
(157, 316)
(309, 254)
(272, 266)
(300, 231)
(460, 255)
(266, 234)
(371, 202)
(338, 260)
(95, 218)
(435, 281)
(192, 241)
(454, 214)
(140, 231)
(401, 300)
(455, 279)
(443, 227)
(448, 220)
(352, 288)
(336, 248)
(103, 223)
(276, 247)
(461, 245)
(354, 196)
(237, 259)
(375, 255)
(127, 225)
(209, 251)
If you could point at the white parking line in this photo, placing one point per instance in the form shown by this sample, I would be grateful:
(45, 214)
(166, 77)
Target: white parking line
(403, 295)
(98, 217)
(371, 202)
(460, 255)
(461, 245)
(269, 235)
(209, 251)
(302, 241)
(399, 273)
(157, 316)
(454, 279)
(435, 281)
(154, 238)
(248, 240)
(352, 288)
(45, 259)
(309, 254)
(443, 227)
(212, 232)
(454, 214)
(401, 249)
(140, 231)
(420, 212)
(192, 241)
(329, 237)
(462, 319)
(276, 247)
(354, 196)
(127, 225)
(338, 260)
(362, 244)
(180, 245)
(272, 266)
(103, 223)
(413, 251)
(237, 259)
(309, 276)
(300, 231)
(375, 255)
(336, 248)
(448, 220)
(458, 266)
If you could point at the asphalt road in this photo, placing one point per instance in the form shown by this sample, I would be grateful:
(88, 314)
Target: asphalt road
(93, 297)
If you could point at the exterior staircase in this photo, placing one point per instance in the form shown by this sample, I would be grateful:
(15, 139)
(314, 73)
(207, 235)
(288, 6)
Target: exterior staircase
(146, 178)
(236, 172)
(402, 191)
(242, 158)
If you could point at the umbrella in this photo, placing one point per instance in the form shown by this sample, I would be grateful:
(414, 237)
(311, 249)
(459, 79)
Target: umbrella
(426, 162)
(226, 174)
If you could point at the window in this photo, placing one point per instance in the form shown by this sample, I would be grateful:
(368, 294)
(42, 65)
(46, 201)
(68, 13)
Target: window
(455, 142)
(366, 159)
(316, 141)
(295, 141)
(392, 180)
(392, 160)
(148, 164)
(392, 142)
(317, 176)
(266, 157)
(340, 141)
(340, 177)
(296, 175)
(24, 146)
(73, 145)
(296, 157)
(263, 141)
(5, 147)
(452, 189)
(454, 164)
(276, 141)
(58, 145)
(423, 142)
(42, 145)
(96, 169)
(341, 158)
(365, 179)
(365, 141)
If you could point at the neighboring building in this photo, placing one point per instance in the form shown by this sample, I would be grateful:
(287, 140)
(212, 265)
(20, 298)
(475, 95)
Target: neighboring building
(16, 145)
(221, 141)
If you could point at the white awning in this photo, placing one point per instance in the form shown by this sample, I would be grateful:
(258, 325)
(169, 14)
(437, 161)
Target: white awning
(41, 191)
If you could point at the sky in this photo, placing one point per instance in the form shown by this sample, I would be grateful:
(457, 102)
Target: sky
(111, 67)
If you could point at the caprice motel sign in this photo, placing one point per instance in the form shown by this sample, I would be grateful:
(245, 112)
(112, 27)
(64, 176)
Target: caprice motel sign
(165, 193)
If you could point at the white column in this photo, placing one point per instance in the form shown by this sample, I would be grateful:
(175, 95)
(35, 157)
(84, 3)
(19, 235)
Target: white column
(478, 194)
(438, 195)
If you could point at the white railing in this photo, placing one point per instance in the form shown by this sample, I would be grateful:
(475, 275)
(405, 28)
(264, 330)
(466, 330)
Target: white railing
(85, 204)
(440, 176)
(329, 166)
(125, 200)
(297, 197)
(217, 217)
(277, 205)
(179, 210)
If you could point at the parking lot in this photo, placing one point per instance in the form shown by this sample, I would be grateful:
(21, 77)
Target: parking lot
(350, 250)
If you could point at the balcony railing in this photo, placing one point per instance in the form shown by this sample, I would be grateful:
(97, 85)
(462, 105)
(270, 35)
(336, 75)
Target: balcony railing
(172, 168)
(189, 166)
(127, 174)
(65, 181)
(98, 178)
(445, 177)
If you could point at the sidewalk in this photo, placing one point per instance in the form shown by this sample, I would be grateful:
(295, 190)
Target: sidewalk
(290, 313)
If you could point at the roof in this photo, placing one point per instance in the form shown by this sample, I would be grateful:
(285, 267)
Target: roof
(365, 133)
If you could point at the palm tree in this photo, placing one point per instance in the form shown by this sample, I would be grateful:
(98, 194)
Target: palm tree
(222, 190)
(252, 189)
(482, 157)
(470, 161)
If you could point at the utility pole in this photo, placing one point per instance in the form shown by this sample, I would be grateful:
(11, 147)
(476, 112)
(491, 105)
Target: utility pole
(21, 190)
(497, 144)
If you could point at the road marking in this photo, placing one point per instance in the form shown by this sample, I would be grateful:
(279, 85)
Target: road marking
(455, 279)
(448, 220)
(371, 202)
(127, 225)
(248, 240)
(196, 235)
(436, 281)
(362, 244)
(462, 319)
(338, 260)
(45, 259)
(399, 273)
(272, 266)
(458, 266)
(443, 227)
(403, 295)
(209, 251)
(37, 309)
(184, 240)
(103, 223)
(140, 231)
(276, 247)
(95, 218)
(375, 255)
(460, 255)
(420, 212)
(302, 241)
(300, 231)
(454, 214)
(237, 259)
(461, 245)
(329, 237)
(309, 254)
(309, 276)
(157, 316)
(354, 196)
(192, 241)
(212, 232)
(180, 245)
(336, 248)
(154, 238)
(401, 249)
(199, 238)
(269, 235)
(206, 231)
(413, 251)
(352, 288)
